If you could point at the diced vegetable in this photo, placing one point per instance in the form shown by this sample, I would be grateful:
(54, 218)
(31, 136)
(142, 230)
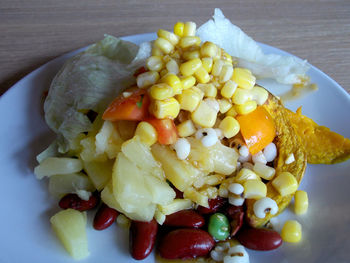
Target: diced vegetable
(56, 165)
(166, 129)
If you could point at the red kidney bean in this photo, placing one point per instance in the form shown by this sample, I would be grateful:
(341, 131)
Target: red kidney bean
(259, 238)
(75, 202)
(236, 216)
(104, 217)
(142, 238)
(214, 206)
(186, 243)
(185, 218)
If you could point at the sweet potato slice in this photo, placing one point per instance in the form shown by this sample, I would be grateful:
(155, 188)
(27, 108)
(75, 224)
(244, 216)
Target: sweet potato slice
(320, 143)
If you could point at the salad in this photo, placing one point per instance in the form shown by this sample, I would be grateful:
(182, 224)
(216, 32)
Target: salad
(176, 141)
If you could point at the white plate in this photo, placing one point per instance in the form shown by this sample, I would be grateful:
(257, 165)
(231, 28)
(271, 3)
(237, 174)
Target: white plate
(26, 206)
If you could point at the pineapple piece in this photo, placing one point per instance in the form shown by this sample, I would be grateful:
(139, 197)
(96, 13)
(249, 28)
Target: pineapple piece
(129, 186)
(197, 197)
(62, 184)
(200, 156)
(57, 165)
(70, 228)
(99, 172)
(145, 213)
(224, 158)
(161, 192)
(140, 154)
(175, 206)
(89, 151)
(180, 173)
(108, 140)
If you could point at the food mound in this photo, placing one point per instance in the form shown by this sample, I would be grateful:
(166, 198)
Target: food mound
(193, 153)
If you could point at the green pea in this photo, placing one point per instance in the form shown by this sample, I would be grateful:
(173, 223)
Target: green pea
(219, 226)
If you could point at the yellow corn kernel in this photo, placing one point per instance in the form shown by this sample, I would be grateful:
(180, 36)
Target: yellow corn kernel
(254, 189)
(198, 198)
(189, 29)
(188, 82)
(245, 108)
(218, 54)
(264, 171)
(157, 52)
(147, 133)
(189, 41)
(285, 183)
(224, 105)
(232, 112)
(204, 115)
(155, 63)
(225, 56)
(259, 94)
(241, 96)
(301, 202)
(161, 91)
(173, 81)
(291, 231)
(209, 49)
(244, 78)
(226, 73)
(164, 45)
(179, 28)
(229, 126)
(208, 89)
(202, 75)
(171, 37)
(207, 64)
(186, 128)
(246, 174)
(228, 89)
(190, 67)
(217, 67)
(189, 98)
(168, 108)
(216, 83)
(147, 79)
(191, 54)
(163, 72)
(175, 206)
(172, 66)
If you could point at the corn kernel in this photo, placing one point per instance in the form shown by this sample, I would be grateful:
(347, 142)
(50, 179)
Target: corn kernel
(202, 75)
(241, 96)
(291, 231)
(157, 52)
(154, 63)
(207, 64)
(189, 41)
(246, 174)
(244, 78)
(189, 98)
(188, 82)
(195, 196)
(285, 183)
(245, 108)
(208, 89)
(186, 128)
(164, 45)
(228, 89)
(189, 29)
(224, 105)
(172, 66)
(161, 91)
(218, 54)
(259, 94)
(264, 171)
(190, 67)
(168, 108)
(191, 54)
(147, 133)
(232, 112)
(217, 67)
(301, 202)
(171, 37)
(226, 73)
(147, 79)
(254, 189)
(225, 56)
(209, 49)
(229, 126)
(204, 115)
(179, 28)
(173, 81)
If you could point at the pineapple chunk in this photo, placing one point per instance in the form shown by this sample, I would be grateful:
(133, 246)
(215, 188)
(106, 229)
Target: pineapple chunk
(57, 165)
(199, 156)
(70, 228)
(140, 154)
(224, 158)
(99, 172)
(89, 152)
(62, 184)
(161, 192)
(145, 213)
(180, 173)
(108, 140)
(197, 197)
(175, 206)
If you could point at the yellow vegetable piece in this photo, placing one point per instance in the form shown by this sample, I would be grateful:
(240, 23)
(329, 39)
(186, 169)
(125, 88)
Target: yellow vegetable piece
(291, 231)
(301, 202)
(285, 183)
